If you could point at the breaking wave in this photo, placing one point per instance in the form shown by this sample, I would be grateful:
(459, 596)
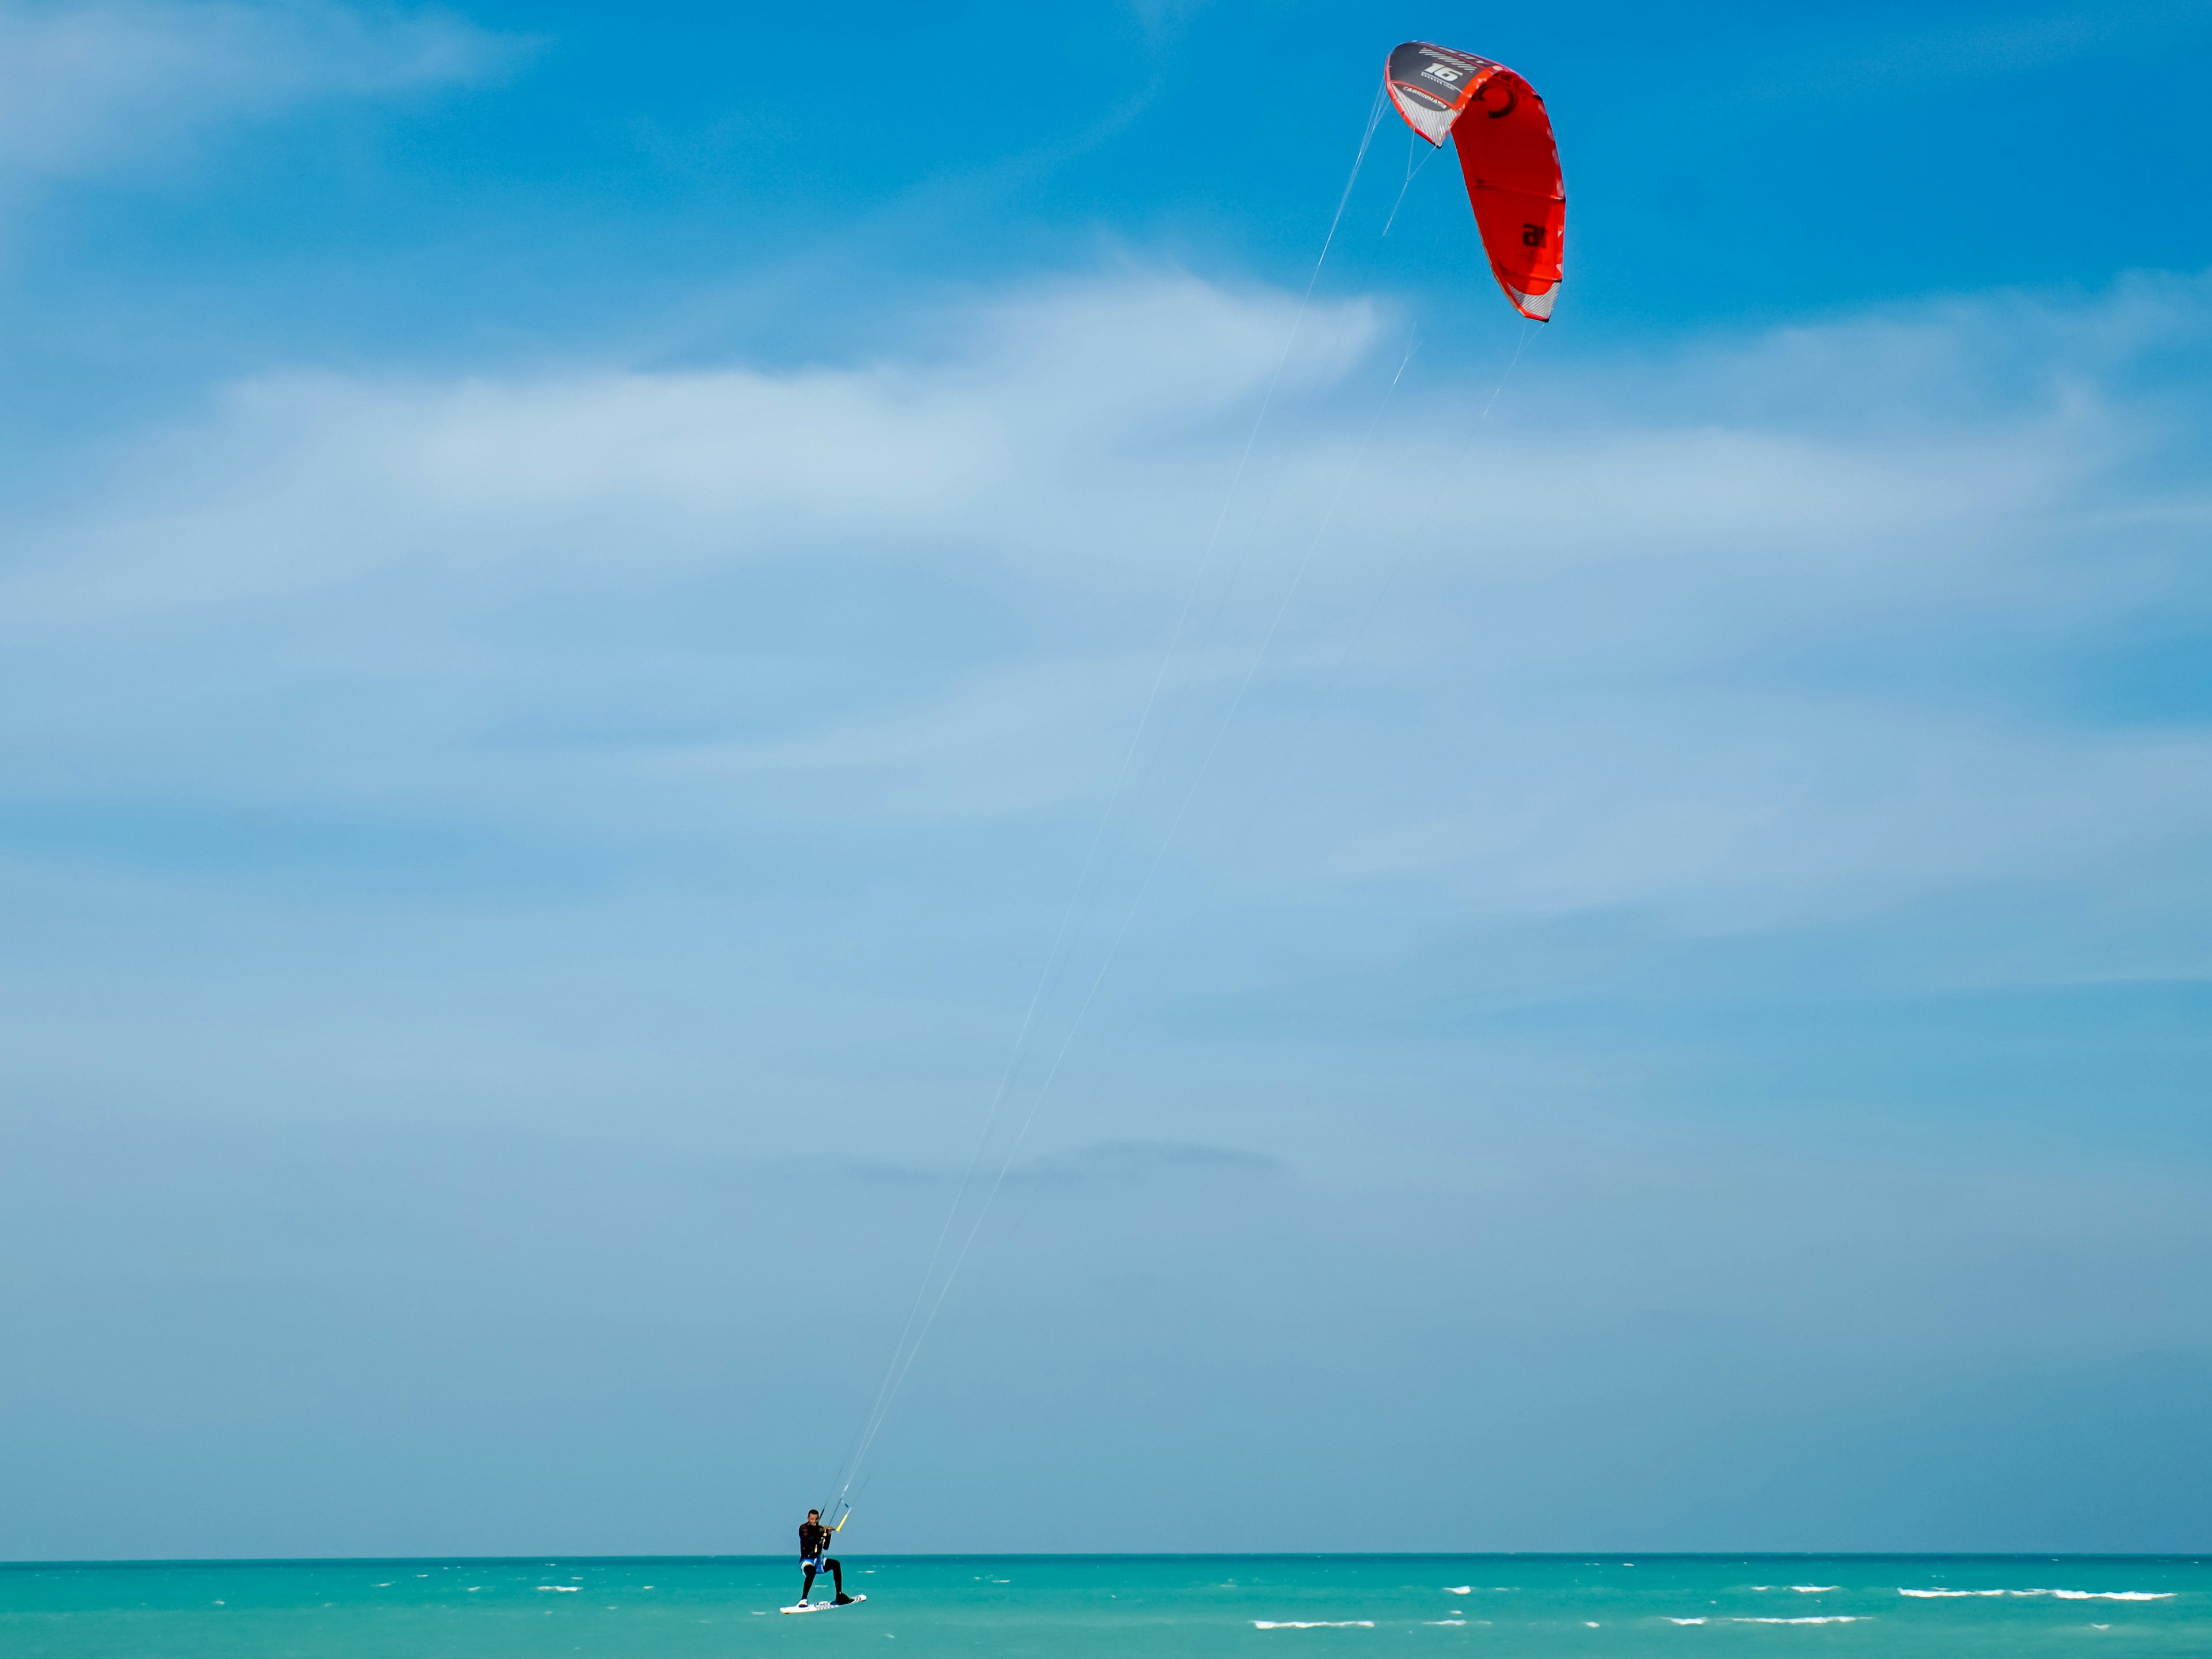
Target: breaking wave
(1313, 1623)
(2061, 1594)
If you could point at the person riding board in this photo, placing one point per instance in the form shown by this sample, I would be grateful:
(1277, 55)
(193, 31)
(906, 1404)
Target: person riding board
(814, 1555)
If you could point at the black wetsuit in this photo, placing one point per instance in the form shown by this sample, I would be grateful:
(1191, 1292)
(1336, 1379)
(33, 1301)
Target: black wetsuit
(813, 1546)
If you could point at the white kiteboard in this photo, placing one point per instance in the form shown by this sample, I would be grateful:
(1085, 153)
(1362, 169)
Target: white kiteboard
(822, 1606)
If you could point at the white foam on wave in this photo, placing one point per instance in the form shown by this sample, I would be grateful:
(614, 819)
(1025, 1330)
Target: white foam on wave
(571, 1588)
(1812, 1618)
(1313, 1623)
(1814, 1589)
(2061, 1595)
(1673, 1620)
(1459, 1589)
(1461, 1623)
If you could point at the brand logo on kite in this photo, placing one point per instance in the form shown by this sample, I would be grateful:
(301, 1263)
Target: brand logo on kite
(1532, 236)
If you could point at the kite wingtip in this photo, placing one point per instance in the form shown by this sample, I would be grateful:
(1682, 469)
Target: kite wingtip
(1536, 308)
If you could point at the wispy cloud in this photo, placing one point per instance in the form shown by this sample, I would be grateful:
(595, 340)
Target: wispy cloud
(87, 88)
(1019, 444)
(1770, 623)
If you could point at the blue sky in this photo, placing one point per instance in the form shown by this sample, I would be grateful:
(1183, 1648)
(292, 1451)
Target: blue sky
(575, 586)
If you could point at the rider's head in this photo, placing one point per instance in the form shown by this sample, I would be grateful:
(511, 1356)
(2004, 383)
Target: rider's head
(814, 1514)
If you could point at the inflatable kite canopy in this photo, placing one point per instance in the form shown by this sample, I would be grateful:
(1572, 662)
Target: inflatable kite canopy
(1504, 137)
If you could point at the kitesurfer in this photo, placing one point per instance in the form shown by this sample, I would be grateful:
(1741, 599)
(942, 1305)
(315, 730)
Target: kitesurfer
(814, 1555)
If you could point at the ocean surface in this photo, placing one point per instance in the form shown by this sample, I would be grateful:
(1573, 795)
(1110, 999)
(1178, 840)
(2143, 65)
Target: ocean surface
(1680, 1607)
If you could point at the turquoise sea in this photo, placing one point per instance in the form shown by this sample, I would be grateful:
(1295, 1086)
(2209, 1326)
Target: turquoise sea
(1254, 1607)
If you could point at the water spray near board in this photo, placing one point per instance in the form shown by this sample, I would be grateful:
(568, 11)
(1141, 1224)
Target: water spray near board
(1498, 124)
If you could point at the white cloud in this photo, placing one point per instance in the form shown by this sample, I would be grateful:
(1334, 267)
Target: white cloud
(1759, 631)
(84, 87)
(1024, 442)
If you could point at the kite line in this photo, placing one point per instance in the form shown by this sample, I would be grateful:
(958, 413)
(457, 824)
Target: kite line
(911, 1335)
